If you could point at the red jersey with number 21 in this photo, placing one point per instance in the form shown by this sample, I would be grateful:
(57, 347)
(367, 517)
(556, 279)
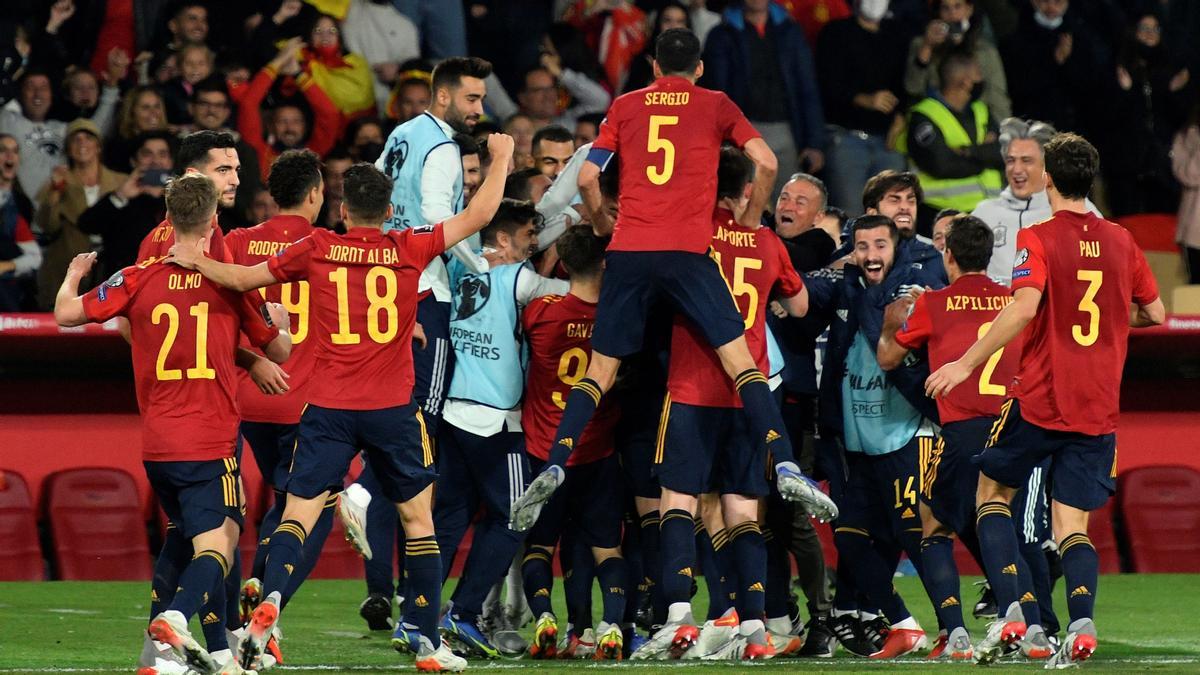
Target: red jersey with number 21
(753, 262)
(1089, 271)
(668, 137)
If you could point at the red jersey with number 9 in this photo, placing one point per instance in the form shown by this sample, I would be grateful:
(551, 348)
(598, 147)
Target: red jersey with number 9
(950, 320)
(668, 137)
(558, 329)
(362, 293)
(184, 331)
(1089, 271)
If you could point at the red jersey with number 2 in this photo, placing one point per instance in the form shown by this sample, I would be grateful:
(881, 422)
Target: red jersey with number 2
(1089, 271)
(558, 330)
(950, 320)
(753, 262)
(250, 246)
(184, 330)
(668, 137)
(363, 299)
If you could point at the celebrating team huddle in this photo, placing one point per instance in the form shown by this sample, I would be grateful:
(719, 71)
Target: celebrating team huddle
(632, 377)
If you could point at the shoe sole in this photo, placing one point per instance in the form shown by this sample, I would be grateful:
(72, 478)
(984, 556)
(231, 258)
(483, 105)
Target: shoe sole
(528, 507)
(471, 643)
(258, 633)
(355, 533)
(812, 500)
(993, 653)
(612, 651)
(185, 646)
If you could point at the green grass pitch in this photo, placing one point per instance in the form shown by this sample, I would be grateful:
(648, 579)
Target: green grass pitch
(1147, 622)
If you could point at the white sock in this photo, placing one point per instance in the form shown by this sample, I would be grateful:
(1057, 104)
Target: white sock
(222, 656)
(844, 612)
(780, 624)
(679, 612)
(908, 624)
(748, 628)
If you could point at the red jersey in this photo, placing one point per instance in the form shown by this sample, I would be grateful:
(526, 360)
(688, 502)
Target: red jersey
(668, 137)
(950, 320)
(159, 241)
(558, 329)
(1089, 271)
(250, 246)
(753, 262)
(363, 300)
(184, 333)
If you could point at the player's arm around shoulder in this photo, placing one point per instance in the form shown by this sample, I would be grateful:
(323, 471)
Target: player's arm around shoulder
(486, 201)
(233, 277)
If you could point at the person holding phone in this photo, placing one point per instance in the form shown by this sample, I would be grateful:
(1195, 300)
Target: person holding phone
(956, 27)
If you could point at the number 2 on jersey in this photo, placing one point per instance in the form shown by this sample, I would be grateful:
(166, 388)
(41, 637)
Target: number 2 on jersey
(986, 387)
(655, 142)
(571, 368)
(201, 371)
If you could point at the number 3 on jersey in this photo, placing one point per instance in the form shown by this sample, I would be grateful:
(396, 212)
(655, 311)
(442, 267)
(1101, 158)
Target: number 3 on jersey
(655, 142)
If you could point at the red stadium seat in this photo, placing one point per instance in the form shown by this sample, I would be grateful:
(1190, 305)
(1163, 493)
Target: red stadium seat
(97, 526)
(1160, 507)
(338, 559)
(1104, 538)
(1153, 231)
(20, 553)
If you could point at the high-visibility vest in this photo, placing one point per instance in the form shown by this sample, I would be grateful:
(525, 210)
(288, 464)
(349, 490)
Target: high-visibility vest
(957, 193)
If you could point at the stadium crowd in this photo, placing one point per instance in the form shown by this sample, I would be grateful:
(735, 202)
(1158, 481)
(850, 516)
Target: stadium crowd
(892, 120)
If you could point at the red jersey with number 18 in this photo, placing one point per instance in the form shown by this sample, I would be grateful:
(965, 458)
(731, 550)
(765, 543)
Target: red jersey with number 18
(363, 299)
(668, 137)
(1089, 271)
(184, 330)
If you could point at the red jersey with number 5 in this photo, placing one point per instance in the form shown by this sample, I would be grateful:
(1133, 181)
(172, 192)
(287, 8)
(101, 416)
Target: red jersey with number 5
(558, 330)
(184, 330)
(950, 320)
(753, 262)
(1089, 271)
(362, 293)
(250, 246)
(668, 137)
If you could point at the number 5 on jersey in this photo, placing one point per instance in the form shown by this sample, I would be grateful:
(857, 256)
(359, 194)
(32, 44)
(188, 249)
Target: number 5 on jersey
(655, 143)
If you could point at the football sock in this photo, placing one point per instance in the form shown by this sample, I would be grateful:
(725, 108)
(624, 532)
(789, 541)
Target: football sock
(492, 551)
(581, 404)
(845, 593)
(613, 575)
(715, 574)
(311, 552)
(270, 521)
(762, 414)
(423, 566)
(872, 575)
(1081, 566)
(998, 541)
(652, 565)
(538, 575)
(779, 576)
(635, 586)
(172, 559)
(213, 617)
(941, 578)
(200, 579)
(384, 536)
(231, 610)
(282, 555)
(1029, 600)
(749, 554)
(678, 549)
(577, 588)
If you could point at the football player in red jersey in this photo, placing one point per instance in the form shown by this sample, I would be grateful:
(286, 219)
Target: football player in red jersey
(668, 137)
(363, 290)
(184, 330)
(1074, 278)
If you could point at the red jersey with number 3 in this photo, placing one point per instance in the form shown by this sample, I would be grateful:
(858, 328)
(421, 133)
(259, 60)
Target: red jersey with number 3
(362, 293)
(668, 137)
(950, 320)
(558, 330)
(753, 262)
(184, 331)
(1089, 271)
(250, 246)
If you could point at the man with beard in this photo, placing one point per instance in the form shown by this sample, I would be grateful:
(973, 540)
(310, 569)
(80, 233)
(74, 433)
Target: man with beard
(211, 108)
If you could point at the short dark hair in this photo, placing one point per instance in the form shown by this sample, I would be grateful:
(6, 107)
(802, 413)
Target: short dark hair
(971, 241)
(733, 173)
(553, 133)
(945, 213)
(338, 151)
(450, 73)
(182, 5)
(581, 251)
(213, 84)
(293, 174)
(516, 186)
(367, 193)
(677, 51)
(191, 202)
(193, 151)
(956, 60)
(512, 215)
(610, 178)
(887, 181)
(1072, 163)
(591, 118)
(467, 145)
(158, 134)
(871, 222)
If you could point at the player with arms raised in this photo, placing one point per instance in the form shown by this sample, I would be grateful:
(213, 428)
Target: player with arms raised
(668, 137)
(1074, 278)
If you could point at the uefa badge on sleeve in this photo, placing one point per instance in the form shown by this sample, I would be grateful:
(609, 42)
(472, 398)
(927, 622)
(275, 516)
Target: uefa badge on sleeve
(116, 280)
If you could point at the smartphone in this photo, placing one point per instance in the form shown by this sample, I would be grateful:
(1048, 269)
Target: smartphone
(155, 178)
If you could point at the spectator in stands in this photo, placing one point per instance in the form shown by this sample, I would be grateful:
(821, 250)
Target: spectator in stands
(364, 139)
(210, 110)
(860, 70)
(335, 165)
(814, 15)
(539, 96)
(196, 62)
(262, 206)
(126, 215)
(552, 149)
(142, 111)
(345, 77)
(412, 94)
(952, 140)
(759, 57)
(956, 28)
(188, 25)
(19, 252)
(84, 97)
(71, 190)
(385, 38)
(522, 128)
(615, 30)
(587, 127)
(40, 137)
(1185, 160)
(288, 125)
(441, 25)
(941, 223)
(641, 72)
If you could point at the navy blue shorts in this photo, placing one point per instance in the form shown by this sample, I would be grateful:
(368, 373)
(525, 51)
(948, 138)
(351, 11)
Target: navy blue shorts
(1083, 468)
(703, 449)
(433, 365)
(272, 445)
(589, 500)
(951, 477)
(881, 493)
(394, 441)
(197, 496)
(635, 280)
(491, 471)
(635, 438)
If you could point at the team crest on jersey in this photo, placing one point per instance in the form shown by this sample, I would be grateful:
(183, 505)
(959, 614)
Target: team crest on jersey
(473, 293)
(843, 314)
(1022, 257)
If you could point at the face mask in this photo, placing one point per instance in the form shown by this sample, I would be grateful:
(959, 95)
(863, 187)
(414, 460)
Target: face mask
(369, 152)
(1046, 22)
(873, 10)
(977, 91)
